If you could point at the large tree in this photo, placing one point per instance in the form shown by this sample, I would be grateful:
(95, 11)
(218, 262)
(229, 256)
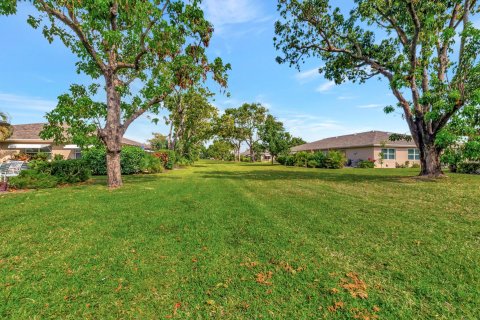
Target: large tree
(274, 137)
(229, 128)
(137, 51)
(192, 119)
(250, 117)
(428, 52)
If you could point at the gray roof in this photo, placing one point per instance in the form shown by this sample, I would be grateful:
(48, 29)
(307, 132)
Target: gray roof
(363, 139)
(31, 131)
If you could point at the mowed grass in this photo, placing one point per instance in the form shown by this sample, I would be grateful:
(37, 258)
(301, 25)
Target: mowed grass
(245, 241)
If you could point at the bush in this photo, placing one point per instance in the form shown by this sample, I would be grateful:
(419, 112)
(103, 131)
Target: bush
(167, 157)
(66, 171)
(312, 164)
(301, 159)
(415, 166)
(58, 157)
(320, 157)
(33, 179)
(151, 164)
(366, 164)
(282, 160)
(130, 160)
(40, 156)
(335, 160)
(471, 167)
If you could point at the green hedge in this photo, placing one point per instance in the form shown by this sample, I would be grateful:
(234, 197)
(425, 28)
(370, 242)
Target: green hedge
(33, 179)
(472, 167)
(330, 160)
(66, 171)
(131, 159)
(366, 164)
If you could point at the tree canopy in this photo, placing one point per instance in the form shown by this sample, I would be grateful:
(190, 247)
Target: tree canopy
(426, 50)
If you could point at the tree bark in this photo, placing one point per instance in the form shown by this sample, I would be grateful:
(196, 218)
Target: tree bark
(114, 169)
(112, 134)
(429, 152)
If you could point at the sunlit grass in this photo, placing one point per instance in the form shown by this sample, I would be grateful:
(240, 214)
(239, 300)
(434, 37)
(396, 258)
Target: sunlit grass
(229, 240)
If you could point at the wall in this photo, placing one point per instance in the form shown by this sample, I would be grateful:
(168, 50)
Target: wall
(6, 153)
(356, 154)
(401, 157)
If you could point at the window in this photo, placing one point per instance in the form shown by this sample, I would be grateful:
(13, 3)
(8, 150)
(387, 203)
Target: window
(389, 154)
(35, 151)
(413, 154)
(77, 154)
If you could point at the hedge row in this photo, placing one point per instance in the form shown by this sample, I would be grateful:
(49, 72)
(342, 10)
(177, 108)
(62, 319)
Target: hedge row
(329, 160)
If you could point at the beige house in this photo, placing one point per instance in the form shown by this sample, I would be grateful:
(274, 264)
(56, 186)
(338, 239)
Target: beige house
(368, 145)
(26, 139)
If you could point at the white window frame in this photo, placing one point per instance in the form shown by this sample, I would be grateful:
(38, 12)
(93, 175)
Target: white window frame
(413, 154)
(389, 154)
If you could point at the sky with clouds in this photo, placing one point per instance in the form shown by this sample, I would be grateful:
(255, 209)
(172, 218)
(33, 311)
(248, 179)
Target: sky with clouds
(34, 73)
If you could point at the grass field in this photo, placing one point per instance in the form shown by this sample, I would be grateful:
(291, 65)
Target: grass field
(222, 240)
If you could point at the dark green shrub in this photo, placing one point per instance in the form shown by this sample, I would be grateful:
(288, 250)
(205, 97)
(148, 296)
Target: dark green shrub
(335, 160)
(282, 160)
(290, 160)
(130, 160)
(320, 158)
(33, 179)
(471, 167)
(366, 164)
(151, 164)
(68, 171)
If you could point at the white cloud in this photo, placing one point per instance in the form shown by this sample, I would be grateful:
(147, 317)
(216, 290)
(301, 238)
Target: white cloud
(12, 102)
(371, 106)
(346, 97)
(307, 75)
(327, 86)
(227, 12)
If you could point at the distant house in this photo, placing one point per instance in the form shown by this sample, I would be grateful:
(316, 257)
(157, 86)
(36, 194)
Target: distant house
(26, 139)
(367, 145)
(264, 156)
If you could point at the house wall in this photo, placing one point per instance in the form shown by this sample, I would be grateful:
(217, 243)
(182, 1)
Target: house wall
(401, 155)
(6, 153)
(356, 154)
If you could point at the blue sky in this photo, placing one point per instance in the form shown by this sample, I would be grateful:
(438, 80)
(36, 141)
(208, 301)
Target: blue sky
(34, 73)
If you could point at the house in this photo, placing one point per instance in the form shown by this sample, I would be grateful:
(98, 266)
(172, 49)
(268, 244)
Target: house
(368, 145)
(26, 139)
(264, 156)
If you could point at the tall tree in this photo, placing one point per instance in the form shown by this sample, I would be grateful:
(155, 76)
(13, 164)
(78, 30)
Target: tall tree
(250, 117)
(273, 137)
(192, 119)
(230, 128)
(428, 52)
(6, 129)
(220, 150)
(159, 44)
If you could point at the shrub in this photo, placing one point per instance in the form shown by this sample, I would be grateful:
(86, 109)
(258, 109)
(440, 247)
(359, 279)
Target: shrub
(301, 159)
(58, 157)
(130, 160)
(33, 179)
(415, 166)
(67, 171)
(312, 164)
(366, 164)
(335, 160)
(151, 164)
(320, 158)
(167, 157)
(471, 167)
(282, 160)
(290, 161)
(40, 156)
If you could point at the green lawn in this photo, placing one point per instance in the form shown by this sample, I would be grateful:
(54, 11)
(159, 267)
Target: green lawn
(222, 240)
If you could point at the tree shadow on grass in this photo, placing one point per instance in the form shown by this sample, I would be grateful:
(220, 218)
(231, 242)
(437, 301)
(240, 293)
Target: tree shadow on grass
(309, 174)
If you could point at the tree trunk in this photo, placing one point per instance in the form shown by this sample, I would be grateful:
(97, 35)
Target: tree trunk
(112, 134)
(429, 153)
(271, 155)
(114, 169)
(430, 161)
